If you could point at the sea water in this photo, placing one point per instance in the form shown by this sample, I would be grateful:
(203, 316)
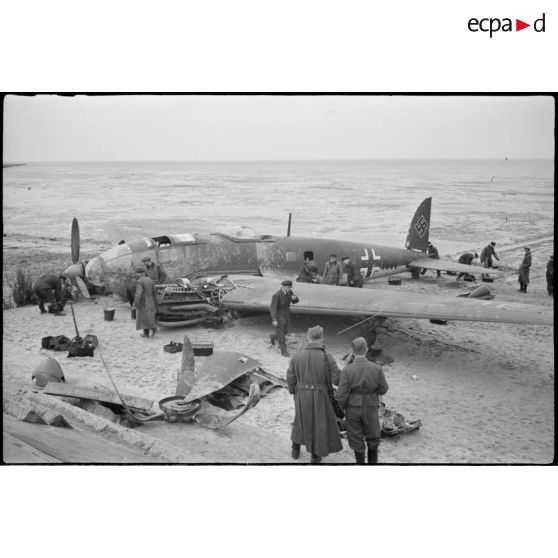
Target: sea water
(473, 201)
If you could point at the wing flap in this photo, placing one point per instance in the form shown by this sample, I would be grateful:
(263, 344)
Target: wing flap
(254, 294)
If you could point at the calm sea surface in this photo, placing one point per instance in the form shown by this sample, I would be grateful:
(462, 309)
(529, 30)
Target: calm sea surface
(374, 200)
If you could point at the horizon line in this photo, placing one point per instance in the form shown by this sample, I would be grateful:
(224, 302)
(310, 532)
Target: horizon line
(5, 162)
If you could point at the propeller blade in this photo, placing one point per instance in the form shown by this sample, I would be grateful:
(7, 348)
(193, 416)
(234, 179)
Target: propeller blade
(82, 287)
(75, 241)
(187, 374)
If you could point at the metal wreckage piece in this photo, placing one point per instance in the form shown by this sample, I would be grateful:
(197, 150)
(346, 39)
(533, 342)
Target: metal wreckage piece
(229, 381)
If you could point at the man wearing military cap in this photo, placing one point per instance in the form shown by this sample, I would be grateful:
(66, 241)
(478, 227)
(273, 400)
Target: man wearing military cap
(154, 271)
(360, 384)
(333, 271)
(281, 314)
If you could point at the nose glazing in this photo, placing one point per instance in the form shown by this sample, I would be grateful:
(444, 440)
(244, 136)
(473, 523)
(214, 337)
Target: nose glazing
(95, 271)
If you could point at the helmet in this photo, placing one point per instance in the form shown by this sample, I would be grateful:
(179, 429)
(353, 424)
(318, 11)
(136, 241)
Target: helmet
(48, 370)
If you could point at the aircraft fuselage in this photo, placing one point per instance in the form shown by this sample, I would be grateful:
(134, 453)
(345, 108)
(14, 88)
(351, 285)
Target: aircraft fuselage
(184, 255)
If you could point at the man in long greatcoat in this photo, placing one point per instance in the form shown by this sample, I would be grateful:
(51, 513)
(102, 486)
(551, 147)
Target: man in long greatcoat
(310, 376)
(360, 384)
(281, 314)
(145, 303)
(523, 276)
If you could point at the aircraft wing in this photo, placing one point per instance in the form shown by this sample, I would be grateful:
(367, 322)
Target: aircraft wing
(254, 294)
(445, 265)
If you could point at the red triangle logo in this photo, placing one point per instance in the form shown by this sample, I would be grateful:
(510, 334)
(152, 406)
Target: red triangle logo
(519, 25)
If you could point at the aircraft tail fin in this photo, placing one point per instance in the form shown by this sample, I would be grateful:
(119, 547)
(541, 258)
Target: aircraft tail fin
(417, 238)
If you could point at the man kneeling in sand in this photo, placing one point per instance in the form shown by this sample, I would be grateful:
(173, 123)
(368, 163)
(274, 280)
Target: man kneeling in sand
(360, 384)
(145, 303)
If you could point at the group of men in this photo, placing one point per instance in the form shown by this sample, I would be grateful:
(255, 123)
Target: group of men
(333, 272)
(311, 375)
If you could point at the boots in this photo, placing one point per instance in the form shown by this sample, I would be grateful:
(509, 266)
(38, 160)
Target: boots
(359, 457)
(372, 456)
(284, 351)
(295, 451)
(315, 459)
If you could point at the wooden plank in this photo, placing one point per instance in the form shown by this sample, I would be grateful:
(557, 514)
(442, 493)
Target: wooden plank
(15, 451)
(94, 394)
(71, 446)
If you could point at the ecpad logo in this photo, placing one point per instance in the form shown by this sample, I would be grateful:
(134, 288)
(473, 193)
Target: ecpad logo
(493, 25)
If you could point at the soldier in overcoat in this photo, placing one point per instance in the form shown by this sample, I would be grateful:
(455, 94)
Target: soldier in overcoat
(310, 375)
(145, 303)
(524, 268)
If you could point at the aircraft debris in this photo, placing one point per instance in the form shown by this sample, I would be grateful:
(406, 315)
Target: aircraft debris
(101, 395)
(218, 385)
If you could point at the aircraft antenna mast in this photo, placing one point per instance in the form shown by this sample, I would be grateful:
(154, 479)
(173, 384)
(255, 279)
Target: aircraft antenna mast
(289, 225)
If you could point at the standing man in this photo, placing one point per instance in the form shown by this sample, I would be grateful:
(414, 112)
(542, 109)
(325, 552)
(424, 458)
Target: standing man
(333, 271)
(309, 378)
(145, 303)
(354, 276)
(360, 384)
(487, 253)
(550, 276)
(466, 259)
(432, 252)
(281, 314)
(46, 288)
(523, 276)
(154, 271)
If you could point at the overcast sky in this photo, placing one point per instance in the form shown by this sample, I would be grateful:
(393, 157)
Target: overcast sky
(165, 128)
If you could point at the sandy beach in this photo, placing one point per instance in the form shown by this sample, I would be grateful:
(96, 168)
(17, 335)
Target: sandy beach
(484, 392)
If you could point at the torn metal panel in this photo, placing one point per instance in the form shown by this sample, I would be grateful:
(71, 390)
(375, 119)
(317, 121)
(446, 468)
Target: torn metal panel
(220, 369)
(102, 395)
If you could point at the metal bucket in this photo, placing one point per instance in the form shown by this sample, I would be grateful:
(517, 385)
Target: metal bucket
(109, 314)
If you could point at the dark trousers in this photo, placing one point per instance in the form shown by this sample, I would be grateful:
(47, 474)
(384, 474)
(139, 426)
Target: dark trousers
(280, 332)
(363, 425)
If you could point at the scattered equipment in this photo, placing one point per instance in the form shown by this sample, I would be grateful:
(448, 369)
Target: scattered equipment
(200, 349)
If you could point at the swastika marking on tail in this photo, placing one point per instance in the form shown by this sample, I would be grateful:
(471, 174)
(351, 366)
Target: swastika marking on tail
(421, 226)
